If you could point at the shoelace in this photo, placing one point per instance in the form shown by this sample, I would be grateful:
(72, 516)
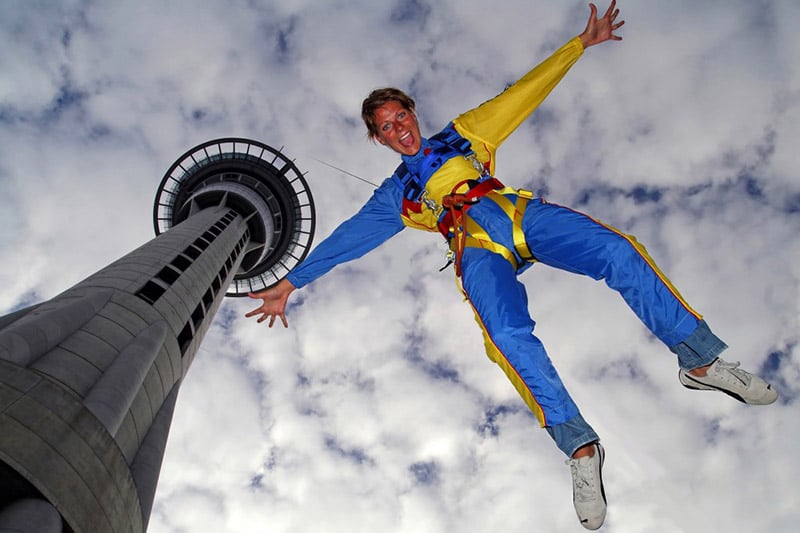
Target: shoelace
(732, 369)
(584, 479)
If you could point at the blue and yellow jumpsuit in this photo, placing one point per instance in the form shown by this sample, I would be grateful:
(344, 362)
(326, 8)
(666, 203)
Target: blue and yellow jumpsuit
(502, 234)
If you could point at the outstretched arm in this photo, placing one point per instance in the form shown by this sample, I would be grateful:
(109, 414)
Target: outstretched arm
(274, 304)
(600, 30)
(375, 223)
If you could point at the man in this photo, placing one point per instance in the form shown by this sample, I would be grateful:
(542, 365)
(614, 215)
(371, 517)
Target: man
(445, 183)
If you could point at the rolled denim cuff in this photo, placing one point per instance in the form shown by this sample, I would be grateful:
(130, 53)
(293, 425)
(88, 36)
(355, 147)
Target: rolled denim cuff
(700, 348)
(572, 434)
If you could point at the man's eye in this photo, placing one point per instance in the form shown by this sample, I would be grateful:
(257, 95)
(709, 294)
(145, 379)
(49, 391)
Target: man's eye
(386, 127)
(401, 115)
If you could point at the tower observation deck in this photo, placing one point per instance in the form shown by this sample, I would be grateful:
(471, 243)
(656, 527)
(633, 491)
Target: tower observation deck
(89, 379)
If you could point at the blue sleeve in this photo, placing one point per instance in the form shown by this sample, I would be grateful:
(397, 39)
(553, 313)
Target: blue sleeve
(375, 223)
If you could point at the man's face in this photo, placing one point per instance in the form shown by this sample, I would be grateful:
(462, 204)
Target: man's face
(397, 128)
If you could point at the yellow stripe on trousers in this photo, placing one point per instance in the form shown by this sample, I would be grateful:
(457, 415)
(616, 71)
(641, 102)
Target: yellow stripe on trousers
(642, 251)
(497, 356)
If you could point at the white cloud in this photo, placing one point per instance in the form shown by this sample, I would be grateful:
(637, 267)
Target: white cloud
(340, 423)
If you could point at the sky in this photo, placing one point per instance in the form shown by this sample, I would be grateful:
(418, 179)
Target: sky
(377, 409)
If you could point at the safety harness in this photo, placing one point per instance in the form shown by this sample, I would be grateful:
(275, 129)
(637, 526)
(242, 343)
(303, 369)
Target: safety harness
(443, 146)
(460, 234)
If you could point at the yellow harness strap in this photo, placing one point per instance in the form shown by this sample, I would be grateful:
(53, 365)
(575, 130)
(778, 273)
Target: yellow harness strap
(478, 238)
(515, 212)
(474, 236)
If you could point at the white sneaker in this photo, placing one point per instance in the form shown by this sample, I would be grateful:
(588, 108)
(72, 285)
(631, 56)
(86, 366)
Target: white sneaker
(588, 494)
(733, 381)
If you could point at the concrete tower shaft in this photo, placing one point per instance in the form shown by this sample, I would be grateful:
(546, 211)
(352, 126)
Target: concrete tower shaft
(89, 379)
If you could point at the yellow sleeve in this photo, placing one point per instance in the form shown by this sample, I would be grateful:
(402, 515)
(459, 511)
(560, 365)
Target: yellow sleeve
(494, 120)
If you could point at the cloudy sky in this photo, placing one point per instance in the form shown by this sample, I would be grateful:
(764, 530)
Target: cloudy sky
(377, 409)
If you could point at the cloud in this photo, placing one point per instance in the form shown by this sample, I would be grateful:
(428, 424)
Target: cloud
(377, 410)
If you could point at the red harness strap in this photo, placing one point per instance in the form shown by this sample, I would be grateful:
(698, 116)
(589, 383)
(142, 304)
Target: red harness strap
(456, 204)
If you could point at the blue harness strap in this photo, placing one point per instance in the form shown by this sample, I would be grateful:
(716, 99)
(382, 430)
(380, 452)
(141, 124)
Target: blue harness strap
(444, 146)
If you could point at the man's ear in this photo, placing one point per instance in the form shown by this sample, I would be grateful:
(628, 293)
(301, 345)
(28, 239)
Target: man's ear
(378, 140)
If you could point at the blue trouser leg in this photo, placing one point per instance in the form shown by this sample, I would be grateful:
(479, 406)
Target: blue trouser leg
(501, 308)
(566, 239)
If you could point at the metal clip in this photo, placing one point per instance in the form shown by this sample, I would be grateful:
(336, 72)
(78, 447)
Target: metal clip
(472, 158)
(431, 204)
(451, 257)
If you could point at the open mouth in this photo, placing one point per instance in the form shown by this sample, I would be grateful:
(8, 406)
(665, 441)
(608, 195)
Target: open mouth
(406, 140)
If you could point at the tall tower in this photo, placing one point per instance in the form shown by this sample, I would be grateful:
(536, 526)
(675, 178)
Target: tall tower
(89, 379)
